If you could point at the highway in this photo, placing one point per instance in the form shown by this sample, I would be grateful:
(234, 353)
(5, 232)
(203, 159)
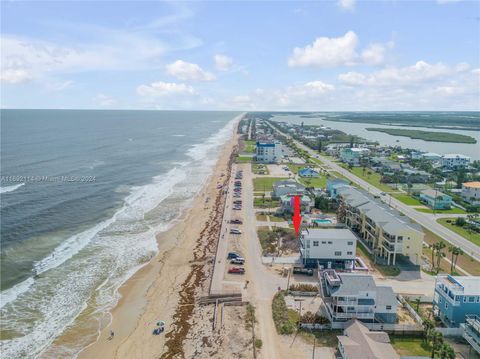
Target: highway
(425, 219)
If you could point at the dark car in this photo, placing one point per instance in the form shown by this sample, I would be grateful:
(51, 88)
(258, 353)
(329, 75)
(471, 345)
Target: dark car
(236, 221)
(303, 271)
(232, 255)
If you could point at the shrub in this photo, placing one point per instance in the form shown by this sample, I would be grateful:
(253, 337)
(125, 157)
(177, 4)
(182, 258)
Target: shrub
(286, 320)
(460, 221)
(311, 318)
(258, 343)
(302, 287)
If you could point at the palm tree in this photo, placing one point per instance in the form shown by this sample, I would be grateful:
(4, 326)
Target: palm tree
(434, 250)
(440, 254)
(436, 341)
(458, 252)
(446, 351)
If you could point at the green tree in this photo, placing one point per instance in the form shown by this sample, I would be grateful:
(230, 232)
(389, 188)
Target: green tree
(417, 302)
(460, 177)
(352, 141)
(428, 326)
(436, 340)
(446, 351)
(320, 145)
(455, 252)
(440, 253)
(460, 221)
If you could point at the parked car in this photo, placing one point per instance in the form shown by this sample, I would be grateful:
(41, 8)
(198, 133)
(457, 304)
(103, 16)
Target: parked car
(236, 221)
(236, 270)
(237, 208)
(238, 260)
(238, 201)
(232, 255)
(235, 231)
(303, 271)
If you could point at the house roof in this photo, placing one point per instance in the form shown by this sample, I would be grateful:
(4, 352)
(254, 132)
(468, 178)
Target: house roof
(455, 155)
(389, 219)
(360, 343)
(432, 193)
(475, 184)
(329, 233)
(288, 183)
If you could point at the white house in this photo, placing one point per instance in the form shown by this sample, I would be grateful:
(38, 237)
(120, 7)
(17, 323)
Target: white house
(471, 192)
(268, 152)
(454, 161)
(329, 247)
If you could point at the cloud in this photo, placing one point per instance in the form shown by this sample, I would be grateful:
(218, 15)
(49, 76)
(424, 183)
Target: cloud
(337, 51)
(186, 71)
(103, 100)
(164, 89)
(14, 76)
(392, 76)
(222, 62)
(348, 5)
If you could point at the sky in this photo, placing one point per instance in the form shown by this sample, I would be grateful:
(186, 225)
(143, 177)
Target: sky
(339, 55)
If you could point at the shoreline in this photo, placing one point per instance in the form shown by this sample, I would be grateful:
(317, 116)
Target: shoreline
(152, 292)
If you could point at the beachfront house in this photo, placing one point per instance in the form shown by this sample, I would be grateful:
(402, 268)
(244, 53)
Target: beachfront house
(308, 172)
(455, 297)
(287, 203)
(287, 187)
(471, 192)
(268, 151)
(384, 231)
(358, 342)
(430, 156)
(328, 247)
(454, 161)
(333, 185)
(348, 296)
(353, 156)
(435, 199)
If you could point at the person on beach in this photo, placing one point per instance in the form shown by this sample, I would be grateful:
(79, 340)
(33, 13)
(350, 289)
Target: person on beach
(112, 334)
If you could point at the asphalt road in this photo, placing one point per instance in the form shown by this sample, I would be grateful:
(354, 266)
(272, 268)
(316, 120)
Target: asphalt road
(425, 219)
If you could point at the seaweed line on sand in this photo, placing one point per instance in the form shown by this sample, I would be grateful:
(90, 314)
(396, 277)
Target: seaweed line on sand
(200, 270)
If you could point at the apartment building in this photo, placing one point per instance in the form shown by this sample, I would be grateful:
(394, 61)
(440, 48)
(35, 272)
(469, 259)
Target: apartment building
(328, 247)
(454, 161)
(352, 296)
(456, 297)
(268, 152)
(384, 230)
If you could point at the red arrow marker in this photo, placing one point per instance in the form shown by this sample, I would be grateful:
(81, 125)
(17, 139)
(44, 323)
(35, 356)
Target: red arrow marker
(297, 218)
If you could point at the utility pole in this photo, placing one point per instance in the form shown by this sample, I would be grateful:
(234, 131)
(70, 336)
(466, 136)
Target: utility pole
(313, 353)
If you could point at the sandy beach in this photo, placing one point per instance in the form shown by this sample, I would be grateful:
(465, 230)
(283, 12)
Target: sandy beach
(166, 288)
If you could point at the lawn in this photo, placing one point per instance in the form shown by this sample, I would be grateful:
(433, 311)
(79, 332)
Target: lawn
(371, 177)
(471, 236)
(464, 261)
(408, 200)
(454, 210)
(266, 202)
(323, 338)
(410, 346)
(265, 183)
(261, 217)
(243, 159)
(295, 168)
(276, 219)
(250, 146)
(314, 181)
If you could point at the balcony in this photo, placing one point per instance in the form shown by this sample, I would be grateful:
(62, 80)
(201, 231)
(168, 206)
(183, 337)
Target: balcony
(471, 331)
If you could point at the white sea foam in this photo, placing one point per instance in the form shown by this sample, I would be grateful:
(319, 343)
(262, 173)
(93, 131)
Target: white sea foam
(9, 295)
(178, 135)
(92, 265)
(11, 188)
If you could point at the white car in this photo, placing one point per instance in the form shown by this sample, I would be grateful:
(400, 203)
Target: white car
(235, 231)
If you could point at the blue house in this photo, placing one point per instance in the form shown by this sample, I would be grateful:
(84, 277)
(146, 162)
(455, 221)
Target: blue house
(308, 172)
(456, 297)
(435, 199)
(333, 185)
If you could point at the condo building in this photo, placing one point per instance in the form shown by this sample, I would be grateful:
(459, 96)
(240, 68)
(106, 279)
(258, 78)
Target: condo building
(384, 231)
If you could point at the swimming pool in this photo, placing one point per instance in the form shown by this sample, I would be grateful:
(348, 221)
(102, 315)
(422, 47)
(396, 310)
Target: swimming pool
(322, 220)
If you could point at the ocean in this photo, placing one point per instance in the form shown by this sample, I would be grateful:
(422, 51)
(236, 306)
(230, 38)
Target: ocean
(83, 194)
